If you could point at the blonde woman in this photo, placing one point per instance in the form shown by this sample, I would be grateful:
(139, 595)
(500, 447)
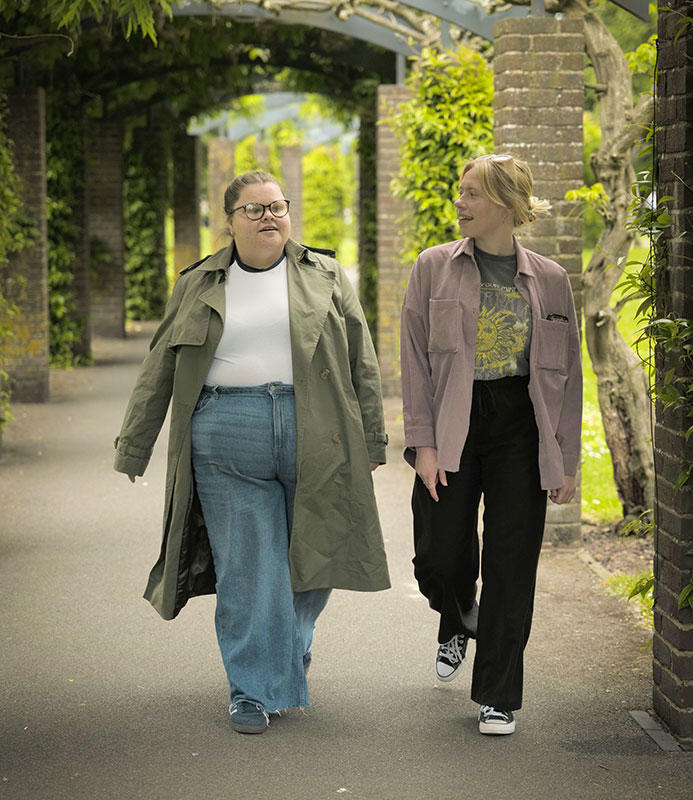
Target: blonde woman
(492, 394)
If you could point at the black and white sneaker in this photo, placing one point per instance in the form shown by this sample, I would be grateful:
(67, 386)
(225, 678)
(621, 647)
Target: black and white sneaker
(495, 722)
(450, 656)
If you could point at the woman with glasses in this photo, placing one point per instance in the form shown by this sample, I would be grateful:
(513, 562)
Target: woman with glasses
(276, 425)
(492, 395)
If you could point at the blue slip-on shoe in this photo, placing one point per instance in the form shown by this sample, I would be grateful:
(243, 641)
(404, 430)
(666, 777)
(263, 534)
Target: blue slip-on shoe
(247, 716)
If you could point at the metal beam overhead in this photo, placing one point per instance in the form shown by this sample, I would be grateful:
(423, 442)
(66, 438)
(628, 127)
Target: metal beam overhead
(356, 27)
(639, 8)
(466, 14)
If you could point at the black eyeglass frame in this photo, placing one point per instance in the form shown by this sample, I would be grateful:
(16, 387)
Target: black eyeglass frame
(265, 206)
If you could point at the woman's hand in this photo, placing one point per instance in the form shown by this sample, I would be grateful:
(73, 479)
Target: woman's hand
(427, 469)
(565, 493)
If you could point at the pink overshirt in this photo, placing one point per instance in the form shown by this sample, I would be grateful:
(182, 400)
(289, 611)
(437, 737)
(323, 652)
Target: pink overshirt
(438, 344)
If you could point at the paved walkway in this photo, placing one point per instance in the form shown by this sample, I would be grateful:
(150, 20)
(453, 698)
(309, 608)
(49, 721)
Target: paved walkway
(101, 700)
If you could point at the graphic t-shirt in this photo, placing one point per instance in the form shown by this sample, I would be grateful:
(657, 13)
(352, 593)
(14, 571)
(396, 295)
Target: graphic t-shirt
(505, 320)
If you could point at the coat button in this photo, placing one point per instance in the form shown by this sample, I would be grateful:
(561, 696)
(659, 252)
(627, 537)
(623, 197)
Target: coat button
(337, 438)
(324, 374)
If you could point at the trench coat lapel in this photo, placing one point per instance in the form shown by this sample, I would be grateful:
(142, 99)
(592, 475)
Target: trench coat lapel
(215, 296)
(310, 294)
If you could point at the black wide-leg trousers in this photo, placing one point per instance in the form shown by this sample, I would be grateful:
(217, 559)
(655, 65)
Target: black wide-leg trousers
(500, 462)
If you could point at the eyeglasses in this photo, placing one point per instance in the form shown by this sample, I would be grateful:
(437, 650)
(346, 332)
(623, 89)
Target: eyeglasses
(494, 157)
(255, 211)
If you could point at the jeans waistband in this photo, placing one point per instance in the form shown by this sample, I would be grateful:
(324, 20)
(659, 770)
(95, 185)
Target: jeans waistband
(274, 389)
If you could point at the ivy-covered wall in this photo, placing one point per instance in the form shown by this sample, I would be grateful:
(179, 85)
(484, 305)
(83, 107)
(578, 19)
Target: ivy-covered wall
(146, 202)
(14, 234)
(65, 155)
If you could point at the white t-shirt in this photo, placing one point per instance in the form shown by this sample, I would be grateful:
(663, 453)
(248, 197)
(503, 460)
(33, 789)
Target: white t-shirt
(255, 347)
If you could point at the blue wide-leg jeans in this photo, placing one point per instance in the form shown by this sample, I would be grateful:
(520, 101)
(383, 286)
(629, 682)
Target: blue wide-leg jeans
(244, 461)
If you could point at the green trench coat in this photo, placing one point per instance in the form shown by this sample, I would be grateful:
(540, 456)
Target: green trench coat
(336, 541)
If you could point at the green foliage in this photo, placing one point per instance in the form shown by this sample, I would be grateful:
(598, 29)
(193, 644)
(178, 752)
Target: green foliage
(17, 231)
(628, 30)
(595, 195)
(669, 339)
(245, 158)
(448, 120)
(367, 216)
(686, 596)
(642, 526)
(640, 586)
(134, 15)
(328, 194)
(592, 223)
(64, 171)
(630, 33)
(643, 59)
(146, 286)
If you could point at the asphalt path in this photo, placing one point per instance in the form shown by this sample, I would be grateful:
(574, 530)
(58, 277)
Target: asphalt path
(102, 700)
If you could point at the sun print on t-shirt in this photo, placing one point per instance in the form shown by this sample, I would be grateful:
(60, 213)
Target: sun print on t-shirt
(499, 339)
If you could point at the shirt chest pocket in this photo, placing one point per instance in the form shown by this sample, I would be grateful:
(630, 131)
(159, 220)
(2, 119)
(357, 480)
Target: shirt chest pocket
(552, 344)
(444, 326)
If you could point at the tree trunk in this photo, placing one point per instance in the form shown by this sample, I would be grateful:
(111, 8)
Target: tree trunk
(621, 383)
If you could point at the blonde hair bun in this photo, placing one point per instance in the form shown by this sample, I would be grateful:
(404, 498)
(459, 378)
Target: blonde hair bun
(507, 181)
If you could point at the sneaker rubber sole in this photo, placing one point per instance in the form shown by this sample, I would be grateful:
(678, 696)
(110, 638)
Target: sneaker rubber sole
(255, 721)
(239, 728)
(497, 728)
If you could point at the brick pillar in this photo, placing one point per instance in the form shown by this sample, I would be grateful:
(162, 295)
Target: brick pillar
(25, 276)
(538, 98)
(673, 638)
(220, 173)
(393, 271)
(292, 178)
(186, 199)
(104, 188)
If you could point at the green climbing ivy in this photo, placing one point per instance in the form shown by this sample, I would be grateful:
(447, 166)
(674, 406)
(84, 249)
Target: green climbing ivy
(448, 120)
(146, 285)
(665, 345)
(64, 185)
(17, 231)
(329, 186)
(367, 213)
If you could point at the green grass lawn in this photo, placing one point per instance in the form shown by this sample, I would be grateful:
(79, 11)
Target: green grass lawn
(599, 500)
